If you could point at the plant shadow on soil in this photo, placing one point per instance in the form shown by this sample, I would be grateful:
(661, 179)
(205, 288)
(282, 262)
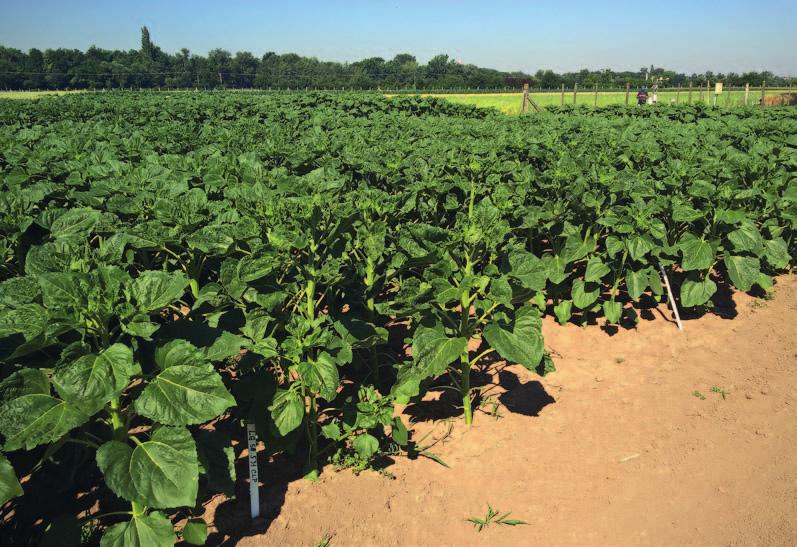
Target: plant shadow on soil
(232, 516)
(646, 308)
(491, 376)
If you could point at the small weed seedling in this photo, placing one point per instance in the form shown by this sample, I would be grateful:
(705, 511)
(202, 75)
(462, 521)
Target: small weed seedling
(493, 517)
(719, 390)
(699, 395)
(324, 541)
(425, 450)
(491, 406)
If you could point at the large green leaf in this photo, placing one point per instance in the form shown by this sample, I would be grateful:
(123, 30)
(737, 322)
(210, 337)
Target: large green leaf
(529, 270)
(584, 294)
(555, 268)
(36, 418)
(487, 225)
(184, 395)
(29, 320)
(321, 375)
(682, 212)
(636, 281)
(697, 293)
(577, 247)
(777, 252)
(162, 472)
(151, 530)
(140, 326)
(747, 238)
(365, 445)
(9, 484)
(614, 246)
(697, 253)
(154, 290)
(211, 240)
(252, 268)
(465, 285)
(743, 271)
(92, 380)
(19, 290)
(596, 270)
(113, 459)
(195, 532)
(179, 352)
(360, 334)
(408, 383)
(26, 381)
(287, 410)
(613, 310)
(500, 291)
(433, 350)
(75, 222)
(64, 289)
(639, 246)
(225, 346)
(523, 343)
(563, 311)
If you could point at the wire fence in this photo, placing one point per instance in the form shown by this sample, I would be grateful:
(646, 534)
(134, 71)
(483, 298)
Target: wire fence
(582, 90)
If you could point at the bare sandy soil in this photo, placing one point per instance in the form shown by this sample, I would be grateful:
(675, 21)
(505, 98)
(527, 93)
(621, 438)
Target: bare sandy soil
(615, 448)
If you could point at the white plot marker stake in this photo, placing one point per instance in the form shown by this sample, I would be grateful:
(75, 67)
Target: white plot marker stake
(670, 297)
(254, 492)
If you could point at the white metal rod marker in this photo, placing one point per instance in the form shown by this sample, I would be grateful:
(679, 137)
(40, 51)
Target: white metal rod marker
(669, 295)
(254, 492)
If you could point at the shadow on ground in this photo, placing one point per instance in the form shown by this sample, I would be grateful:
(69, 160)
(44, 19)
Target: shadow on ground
(527, 399)
(496, 382)
(232, 516)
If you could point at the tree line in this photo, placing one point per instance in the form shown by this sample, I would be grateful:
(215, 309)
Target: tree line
(151, 67)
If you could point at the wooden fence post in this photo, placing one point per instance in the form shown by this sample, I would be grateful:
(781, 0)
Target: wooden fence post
(746, 94)
(525, 106)
(763, 91)
(595, 103)
(690, 91)
(562, 98)
(627, 92)
(575, 92)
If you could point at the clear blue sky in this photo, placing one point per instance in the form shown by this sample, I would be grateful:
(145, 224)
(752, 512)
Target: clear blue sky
(691, 36)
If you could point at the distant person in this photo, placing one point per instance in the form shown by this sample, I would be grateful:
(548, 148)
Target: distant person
(642, 96)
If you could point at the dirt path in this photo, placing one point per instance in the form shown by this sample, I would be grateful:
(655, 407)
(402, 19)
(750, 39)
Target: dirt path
(612, 449)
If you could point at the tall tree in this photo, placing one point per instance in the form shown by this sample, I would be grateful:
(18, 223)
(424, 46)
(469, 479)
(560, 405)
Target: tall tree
(34, 70)
(150, 66)
(146, 44)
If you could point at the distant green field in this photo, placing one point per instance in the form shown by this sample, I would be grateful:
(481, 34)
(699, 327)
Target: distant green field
(510, 103)
(31, 94)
